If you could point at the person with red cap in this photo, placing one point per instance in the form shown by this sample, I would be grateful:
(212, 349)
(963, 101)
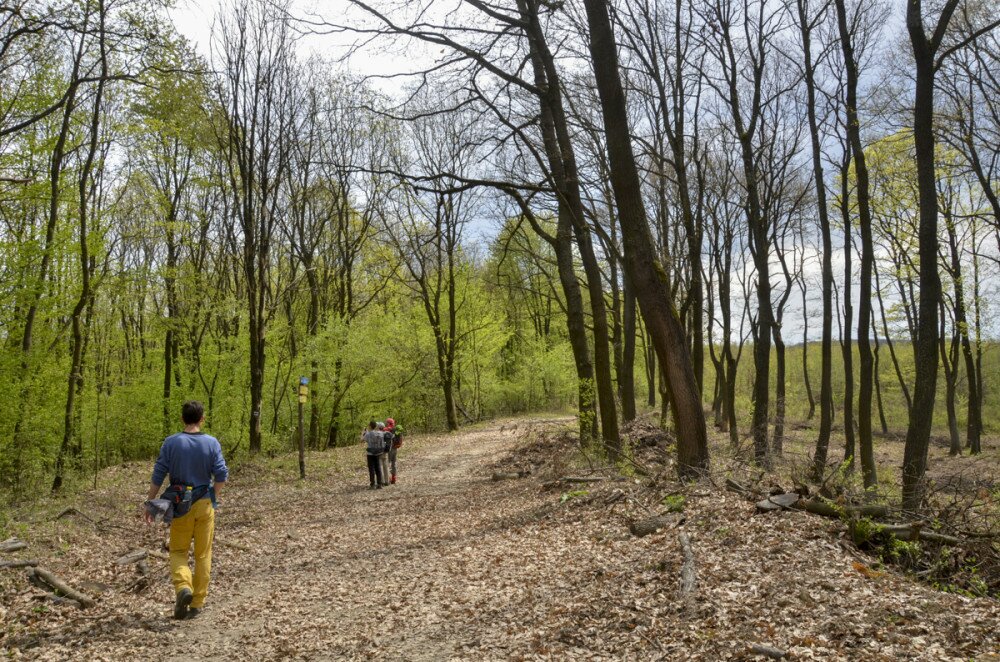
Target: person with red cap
(395, 432)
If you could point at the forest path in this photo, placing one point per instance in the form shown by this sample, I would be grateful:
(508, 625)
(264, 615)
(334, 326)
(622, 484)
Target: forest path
(341, 571)
(449, 565)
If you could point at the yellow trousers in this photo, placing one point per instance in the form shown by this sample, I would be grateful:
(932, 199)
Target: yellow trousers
(197, 524)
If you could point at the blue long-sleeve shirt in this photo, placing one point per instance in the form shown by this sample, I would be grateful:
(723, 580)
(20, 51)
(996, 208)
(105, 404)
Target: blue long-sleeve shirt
(194, 458)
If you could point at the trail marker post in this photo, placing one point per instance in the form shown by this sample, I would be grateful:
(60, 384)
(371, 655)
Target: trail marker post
(303, 397)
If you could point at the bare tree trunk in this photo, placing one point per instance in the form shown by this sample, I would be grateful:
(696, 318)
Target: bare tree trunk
(651, 370)
(949, 366)
(86, 268)
(38, 285)
(866, 365)
(974, 420)
(626, 379)
(805, 359)
(644, 271)
(169, 343)
(922, 414)
(562, 162)
(892, 349)
(847, 344)
(777, 440)
(878, 381)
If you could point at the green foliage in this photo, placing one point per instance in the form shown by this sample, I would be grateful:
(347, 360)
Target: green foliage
(674, 503)
(574, 494)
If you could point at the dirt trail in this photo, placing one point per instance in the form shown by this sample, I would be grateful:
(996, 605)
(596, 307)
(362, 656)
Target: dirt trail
(360, 559)
(448, 565)
(328, 570)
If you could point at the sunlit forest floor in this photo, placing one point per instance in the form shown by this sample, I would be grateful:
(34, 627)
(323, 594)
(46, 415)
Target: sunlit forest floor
(451, 564)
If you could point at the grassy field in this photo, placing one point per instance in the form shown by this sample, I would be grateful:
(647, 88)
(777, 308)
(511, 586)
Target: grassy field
(893, 402)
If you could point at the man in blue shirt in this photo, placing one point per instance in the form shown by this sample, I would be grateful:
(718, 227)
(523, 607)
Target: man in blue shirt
(194, 460)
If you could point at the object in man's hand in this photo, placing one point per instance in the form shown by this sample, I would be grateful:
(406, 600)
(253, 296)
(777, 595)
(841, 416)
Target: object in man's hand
(160, 510)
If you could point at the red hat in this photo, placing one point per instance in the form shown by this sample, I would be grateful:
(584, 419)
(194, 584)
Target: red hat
(389, 424)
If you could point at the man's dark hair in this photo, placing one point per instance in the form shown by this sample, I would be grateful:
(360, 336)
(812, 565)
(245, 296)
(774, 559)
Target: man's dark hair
(371, 425)
(192, 412)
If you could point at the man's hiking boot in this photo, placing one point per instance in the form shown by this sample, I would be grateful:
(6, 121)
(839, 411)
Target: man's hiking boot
(393, 479)
(372, 486)
(194, 612)
(184, 597)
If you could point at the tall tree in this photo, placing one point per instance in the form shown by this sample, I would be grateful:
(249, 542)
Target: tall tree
(741, 43)
(848, 27)
(644, 270)
(255, 51)
(808, 21)
(927, 57)
(87, 187)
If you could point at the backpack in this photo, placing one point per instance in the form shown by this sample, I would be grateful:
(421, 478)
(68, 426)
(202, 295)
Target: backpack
(373, 442)
(388, 437)
(397, 439)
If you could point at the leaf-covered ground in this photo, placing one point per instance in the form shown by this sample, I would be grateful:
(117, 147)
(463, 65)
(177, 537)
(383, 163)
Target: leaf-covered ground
(451, 565)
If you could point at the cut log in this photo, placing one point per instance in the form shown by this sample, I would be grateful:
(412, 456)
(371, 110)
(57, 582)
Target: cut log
(28, 563)
(59, 586)
(768, 651)
(12, 545)
(916, 532)
(825, 508)
(651, 525)
(688, 580)
(778, 502)
(131, 557)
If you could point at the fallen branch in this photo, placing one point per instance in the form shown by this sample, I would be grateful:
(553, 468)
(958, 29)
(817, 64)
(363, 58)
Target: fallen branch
(916, 532)
(131, 557)
(158, 555)
(59, 586)
(614, 497)
(12, 545)
(768, 651)
(829, 509)
(73, 511)
(583, 479)
(733, 486)
(688, 581)
(31, 563)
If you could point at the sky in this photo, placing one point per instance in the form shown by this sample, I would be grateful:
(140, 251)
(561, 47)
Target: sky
(194, 20)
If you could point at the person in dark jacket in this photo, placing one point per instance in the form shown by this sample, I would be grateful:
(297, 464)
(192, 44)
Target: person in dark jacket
(374, 445)
(197, 471)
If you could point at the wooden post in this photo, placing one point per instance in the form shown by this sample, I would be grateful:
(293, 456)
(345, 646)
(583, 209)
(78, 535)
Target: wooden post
(303, 396)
